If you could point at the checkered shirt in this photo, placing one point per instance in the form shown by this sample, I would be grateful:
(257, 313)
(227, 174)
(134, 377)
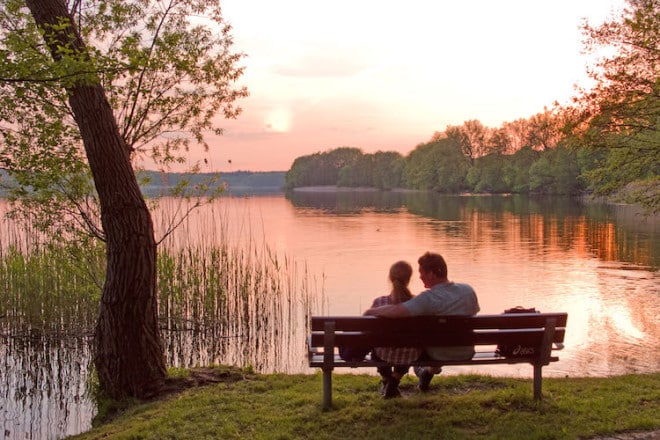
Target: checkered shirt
(396, 356)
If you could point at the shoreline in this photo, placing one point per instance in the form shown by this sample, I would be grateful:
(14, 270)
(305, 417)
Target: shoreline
(341, 189)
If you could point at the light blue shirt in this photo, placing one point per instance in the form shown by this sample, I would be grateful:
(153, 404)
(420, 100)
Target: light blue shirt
(446, 299)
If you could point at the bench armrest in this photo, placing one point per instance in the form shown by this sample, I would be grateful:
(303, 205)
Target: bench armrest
(311, 350)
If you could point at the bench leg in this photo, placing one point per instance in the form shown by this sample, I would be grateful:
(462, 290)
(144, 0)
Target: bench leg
(327, 389)
(537, 382)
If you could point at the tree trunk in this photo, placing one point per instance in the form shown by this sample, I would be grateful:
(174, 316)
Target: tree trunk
(129, 350)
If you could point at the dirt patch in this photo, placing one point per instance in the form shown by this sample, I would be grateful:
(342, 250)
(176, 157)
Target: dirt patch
(109, 409)
(198, 377)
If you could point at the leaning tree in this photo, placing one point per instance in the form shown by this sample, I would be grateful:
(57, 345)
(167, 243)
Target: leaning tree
(86, 88)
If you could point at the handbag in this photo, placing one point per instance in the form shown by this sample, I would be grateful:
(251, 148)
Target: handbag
(518, 350)
(353, 354)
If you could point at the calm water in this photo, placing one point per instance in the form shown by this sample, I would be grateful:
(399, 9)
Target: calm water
(598, 263)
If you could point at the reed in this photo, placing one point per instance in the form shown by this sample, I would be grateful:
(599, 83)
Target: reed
(48, 290)
(239, 306)
(220, 300)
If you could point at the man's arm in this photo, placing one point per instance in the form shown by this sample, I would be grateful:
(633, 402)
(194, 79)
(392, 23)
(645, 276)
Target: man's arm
(389, 311)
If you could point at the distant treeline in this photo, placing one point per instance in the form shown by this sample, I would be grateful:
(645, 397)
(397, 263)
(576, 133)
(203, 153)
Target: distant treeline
(525, 156)
(441, 166)
(154, 182)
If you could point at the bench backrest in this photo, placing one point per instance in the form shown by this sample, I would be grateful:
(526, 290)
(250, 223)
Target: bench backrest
(421, 331)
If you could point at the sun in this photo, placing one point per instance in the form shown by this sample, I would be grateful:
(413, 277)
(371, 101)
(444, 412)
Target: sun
(278, 120)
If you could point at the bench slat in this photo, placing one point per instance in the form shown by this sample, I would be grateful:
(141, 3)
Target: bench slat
(449, 339)
(425, 323)
(483, 358)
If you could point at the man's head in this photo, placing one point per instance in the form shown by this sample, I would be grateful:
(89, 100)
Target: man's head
(432, 269)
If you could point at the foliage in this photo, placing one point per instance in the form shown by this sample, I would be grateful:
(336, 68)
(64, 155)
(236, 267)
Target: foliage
(471, 137)
(470, 157)
(516, 172)
(556, 172)
(642, 192)
(544, 130)
(166, 67)
(388, 173)
(321, 168)
(381, 170)
(52, 288)
(420, 171)
(620, 115)
(466, 406)
(439, 166)
(486, 175)
(360, 173)
(301, 172)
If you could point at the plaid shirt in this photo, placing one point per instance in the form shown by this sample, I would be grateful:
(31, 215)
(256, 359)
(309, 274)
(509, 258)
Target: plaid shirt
(396, 356)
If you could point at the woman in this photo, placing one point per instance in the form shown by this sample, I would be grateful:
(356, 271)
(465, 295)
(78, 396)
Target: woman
(400, 358)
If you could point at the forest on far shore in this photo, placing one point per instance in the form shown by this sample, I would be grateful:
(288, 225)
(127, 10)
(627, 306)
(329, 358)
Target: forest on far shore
(527, 156)
(442, 165)
(521, 157)
(605, 142)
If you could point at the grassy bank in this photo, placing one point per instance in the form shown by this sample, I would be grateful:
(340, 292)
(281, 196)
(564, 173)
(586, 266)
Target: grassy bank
(242, 405)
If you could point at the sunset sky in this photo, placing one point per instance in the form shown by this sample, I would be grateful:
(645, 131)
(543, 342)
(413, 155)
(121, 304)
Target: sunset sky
(385, 75)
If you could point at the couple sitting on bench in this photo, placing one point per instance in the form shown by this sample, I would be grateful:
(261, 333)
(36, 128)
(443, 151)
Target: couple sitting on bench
(441, 297)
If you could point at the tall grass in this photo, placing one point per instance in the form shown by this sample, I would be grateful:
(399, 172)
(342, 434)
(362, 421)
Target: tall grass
(227, 297)
(49, 296)
(48, 290)
(238, 306)
(220, 299)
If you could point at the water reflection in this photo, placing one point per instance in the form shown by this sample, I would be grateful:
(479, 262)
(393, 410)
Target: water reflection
(44, 386)
(349, 202)
(597, 262)
(612, 233)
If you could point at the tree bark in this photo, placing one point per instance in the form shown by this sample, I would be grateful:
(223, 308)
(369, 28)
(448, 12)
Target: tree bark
(128, 345)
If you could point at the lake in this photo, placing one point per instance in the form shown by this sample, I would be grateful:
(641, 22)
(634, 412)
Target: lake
(595, 261)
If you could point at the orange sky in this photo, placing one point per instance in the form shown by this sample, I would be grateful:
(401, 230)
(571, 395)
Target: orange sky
(385, 75)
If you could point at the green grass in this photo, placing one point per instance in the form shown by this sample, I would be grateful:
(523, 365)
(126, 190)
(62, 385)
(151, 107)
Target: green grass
(252, 406)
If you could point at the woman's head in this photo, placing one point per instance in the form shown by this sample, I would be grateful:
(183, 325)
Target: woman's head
(400, 274)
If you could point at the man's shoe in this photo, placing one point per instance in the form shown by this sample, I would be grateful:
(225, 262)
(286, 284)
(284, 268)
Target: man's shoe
(425, 377)
(391, 388)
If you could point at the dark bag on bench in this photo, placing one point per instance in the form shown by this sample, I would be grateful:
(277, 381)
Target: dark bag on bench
(516, 351)
(354, 354)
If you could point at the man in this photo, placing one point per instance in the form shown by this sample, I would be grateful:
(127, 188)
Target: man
(442, 297)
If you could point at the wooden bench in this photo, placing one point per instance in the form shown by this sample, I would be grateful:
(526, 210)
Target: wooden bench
(545, 331)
